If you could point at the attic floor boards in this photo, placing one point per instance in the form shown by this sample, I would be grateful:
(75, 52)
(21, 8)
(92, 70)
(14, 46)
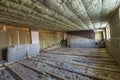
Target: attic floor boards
(64, 64)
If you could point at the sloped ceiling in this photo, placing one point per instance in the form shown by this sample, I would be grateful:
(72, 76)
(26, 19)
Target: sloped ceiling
(57, 15)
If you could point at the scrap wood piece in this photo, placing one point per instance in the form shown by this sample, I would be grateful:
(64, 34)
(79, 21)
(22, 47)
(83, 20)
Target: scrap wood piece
(80, 73)
(44, 72)
(32, 68)
(14, 73)
(85, 65)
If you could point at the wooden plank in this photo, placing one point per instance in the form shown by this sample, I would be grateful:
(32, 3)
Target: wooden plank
(14, 73)
(38, 71)
(96, 62)
(32, 68)
(18, 35)
(97, 56)
(16, 28)
(85, 65)
(80, 73)
(74, 53)
(85, 50)
(10, 38)
(91, 59)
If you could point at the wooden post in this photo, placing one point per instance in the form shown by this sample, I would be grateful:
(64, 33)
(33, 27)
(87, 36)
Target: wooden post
(18, 35)
(10, 38)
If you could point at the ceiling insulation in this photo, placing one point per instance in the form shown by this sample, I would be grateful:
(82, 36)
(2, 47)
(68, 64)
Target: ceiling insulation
(58, 15)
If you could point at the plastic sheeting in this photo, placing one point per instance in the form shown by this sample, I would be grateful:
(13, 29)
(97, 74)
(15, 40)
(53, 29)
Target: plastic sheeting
(18, 52)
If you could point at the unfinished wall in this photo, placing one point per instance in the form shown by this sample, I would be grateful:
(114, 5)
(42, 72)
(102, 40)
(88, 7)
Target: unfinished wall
(113, 45)
(18, 52)
(49, 39)
(17, 36)
(78, 39)
(10, 36)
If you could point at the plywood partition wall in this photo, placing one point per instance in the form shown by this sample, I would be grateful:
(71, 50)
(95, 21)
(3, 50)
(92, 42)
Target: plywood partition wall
(49, 39)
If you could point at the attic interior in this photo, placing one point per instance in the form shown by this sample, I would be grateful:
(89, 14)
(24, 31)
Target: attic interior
(59, 40)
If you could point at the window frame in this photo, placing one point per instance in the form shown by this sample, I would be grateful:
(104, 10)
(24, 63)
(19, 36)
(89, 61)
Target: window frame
(108, 33)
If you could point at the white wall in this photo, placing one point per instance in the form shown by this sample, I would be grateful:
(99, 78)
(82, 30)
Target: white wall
(35, 37)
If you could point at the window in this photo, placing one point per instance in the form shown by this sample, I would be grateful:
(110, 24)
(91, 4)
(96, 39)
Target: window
(103, 34)
(108, 32)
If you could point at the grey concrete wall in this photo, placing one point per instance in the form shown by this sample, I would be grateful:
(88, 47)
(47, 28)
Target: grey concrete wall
(18, 52)
(113, 45)
(77, 42)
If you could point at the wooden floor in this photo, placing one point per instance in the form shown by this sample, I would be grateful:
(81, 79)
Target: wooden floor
(64, 64)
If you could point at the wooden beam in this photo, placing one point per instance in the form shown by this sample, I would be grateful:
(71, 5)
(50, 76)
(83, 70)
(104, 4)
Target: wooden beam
(85, 65)
(14, 73)
(56, 76)
(90, 58)
(76, 72)
(97, 56)
(32, 68)
(10, 38)
(43, 72)
(96, 62)
(18, 36)
(16, 28)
